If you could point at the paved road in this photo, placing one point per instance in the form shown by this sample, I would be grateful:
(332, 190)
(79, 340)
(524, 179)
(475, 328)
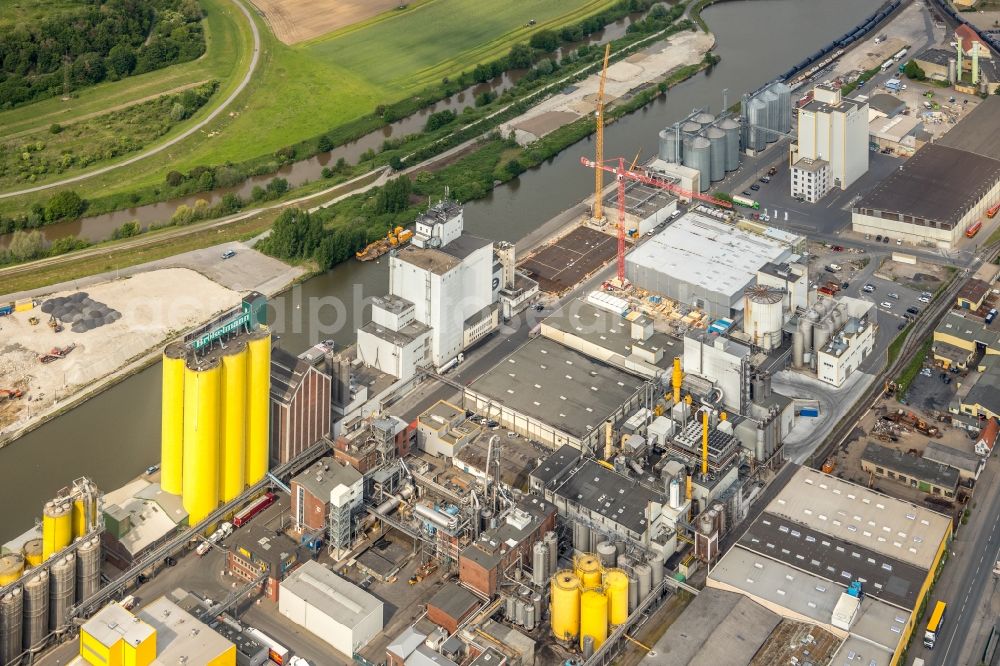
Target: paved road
(968, 576)
(177, 139)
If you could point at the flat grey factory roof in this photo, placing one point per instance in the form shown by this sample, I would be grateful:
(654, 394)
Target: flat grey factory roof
(969, 330)
(914, 467)
(718, 627)
(325, 475)
(708, 253)
(886, 578)
(938, 183)
(607, 330)
(887, 104)
(804, 595)
(454, 600)
(936, 56)
(978, 132)
(180, 638)
(557, 463)
(609, 494)
(336, 597)
(986, 390)
(957, 458)
(884, 524)
(557, 386)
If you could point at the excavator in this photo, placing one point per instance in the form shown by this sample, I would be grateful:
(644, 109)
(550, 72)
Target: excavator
(10, 394)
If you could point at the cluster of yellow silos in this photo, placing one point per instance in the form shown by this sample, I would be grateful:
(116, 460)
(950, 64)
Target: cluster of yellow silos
(214, 434)
(587, 600)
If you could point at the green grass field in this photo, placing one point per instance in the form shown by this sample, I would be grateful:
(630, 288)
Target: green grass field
(303, 90)
(228, 40)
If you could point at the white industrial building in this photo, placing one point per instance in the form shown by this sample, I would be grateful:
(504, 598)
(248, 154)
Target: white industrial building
(331, 607)
(446, 292)
(722, 361)
(834, 337)
(831, 149)
(707, 263)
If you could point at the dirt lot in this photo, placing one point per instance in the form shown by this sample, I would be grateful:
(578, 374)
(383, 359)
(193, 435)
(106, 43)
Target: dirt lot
(568, 260)
(153, 305)
(294, 21)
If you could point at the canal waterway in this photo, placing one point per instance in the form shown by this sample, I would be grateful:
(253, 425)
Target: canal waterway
(115, 435)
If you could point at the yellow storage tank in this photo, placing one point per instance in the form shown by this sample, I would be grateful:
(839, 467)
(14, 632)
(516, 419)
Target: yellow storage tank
(232, 436)
(57, 528)
(11, 568)
(565, 610)
(589, 570)
(593, 616)
(616, 587)
(258, 403)
(32, 551)
(172, 419)
(200, 482)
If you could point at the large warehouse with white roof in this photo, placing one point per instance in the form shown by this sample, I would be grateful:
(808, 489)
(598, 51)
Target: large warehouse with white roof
(819, 535)
(708, 264)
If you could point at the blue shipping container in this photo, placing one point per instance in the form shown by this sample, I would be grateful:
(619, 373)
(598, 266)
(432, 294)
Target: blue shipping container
(809, 411)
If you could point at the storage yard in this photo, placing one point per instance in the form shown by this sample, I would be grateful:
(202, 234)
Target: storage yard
(182, 299)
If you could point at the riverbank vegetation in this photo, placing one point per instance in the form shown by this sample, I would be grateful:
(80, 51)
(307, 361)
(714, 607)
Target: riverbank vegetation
(364, 102)
(60, 150)
(81, 44)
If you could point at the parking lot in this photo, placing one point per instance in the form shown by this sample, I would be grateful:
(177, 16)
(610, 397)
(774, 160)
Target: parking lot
(824, 219)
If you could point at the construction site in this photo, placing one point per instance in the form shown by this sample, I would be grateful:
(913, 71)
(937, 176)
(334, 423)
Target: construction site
(55, 346)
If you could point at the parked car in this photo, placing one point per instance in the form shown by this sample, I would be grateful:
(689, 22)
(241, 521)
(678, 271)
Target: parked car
(886, 304)
(868, 288)
(229, 254)
(901, 326)
(991, 315)
(894, 296)
(755, 187)
(838, 248)
(899, 241)
(912, 310)
(878, 239)
(765, 179)
(747, 193)
(924, 299)
(845, 285)
(885, 239)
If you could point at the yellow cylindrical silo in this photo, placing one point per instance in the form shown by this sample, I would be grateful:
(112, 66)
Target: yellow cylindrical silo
(594, 616)
(232, 435)
(589, 570)
(11, 568)
(80, 509)
(565, 600)
(616, 587)
(258, 404)
(172, 419)
(57, 528)
(200, 482)
(32, 551)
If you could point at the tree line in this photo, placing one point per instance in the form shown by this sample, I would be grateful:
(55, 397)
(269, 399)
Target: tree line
(97, 41)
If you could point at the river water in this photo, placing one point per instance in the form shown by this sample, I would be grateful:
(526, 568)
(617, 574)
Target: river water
(115, 435)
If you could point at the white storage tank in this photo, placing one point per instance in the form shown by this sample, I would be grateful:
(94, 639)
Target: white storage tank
(732, 131)
(670, 146)
(697, 155)
(717, 152)
(763, 316)
(757, 118)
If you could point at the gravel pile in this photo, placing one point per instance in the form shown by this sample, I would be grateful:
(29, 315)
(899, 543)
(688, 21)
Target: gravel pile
(81, 311)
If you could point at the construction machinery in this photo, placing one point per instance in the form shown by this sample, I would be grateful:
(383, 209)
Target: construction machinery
(623, 174)
(33, 321)
(10, 394)
(599, 143)
(423, 571)
(829, 465)
(55, 325)
(56, 353)
(394, 239)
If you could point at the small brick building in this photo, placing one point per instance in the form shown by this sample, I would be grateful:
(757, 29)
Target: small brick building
(254, 549)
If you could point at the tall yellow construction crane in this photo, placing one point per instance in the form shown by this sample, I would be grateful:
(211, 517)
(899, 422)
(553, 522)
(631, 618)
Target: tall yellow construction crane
(599, 156)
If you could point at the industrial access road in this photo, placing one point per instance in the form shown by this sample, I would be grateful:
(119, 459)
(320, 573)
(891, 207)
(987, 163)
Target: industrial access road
(968, 578)
(177, 139)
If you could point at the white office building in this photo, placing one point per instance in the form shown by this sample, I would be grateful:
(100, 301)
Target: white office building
(849, 346)
(444, 296)
(832, 144)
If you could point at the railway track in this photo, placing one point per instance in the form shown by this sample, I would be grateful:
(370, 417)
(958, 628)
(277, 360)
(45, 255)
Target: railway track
(924, 326)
